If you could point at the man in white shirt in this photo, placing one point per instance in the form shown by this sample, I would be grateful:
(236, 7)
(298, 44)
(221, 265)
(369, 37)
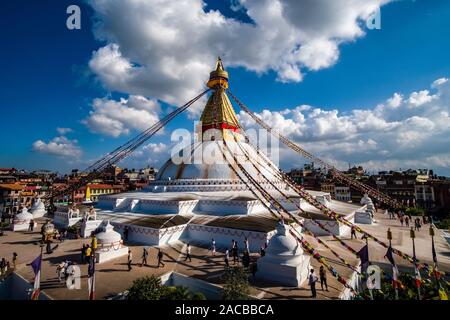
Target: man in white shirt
(312, 283)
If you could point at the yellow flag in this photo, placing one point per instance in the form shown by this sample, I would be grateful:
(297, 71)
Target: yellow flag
(442, 294)
(88, 193)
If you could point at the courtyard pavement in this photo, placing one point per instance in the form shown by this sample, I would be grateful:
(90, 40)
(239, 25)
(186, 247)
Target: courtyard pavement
(113, 277)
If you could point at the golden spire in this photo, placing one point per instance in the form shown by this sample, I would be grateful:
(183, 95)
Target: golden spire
(218, 77)
(218, 113)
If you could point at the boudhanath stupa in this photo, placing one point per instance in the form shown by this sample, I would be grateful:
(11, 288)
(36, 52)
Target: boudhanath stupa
(197, 196)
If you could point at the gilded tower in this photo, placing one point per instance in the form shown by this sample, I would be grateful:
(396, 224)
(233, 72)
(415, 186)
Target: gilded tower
(218, 120)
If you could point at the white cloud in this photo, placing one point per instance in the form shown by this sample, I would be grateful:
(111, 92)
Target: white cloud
(115, 118)
(395, 101)
(63, 131)
(165, 49)
(150, 154)
(416, 99)
(439, 82)
(59, 146)
(390, 135)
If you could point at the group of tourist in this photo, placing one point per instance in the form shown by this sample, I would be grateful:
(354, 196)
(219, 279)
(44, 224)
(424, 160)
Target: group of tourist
(159, 257)
(5, 265)
(63, 270)
(406, 220)
(86, 253)
(312, 280)
(245, 259)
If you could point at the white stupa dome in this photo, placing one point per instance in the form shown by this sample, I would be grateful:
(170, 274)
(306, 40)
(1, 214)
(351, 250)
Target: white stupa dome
(204, 160)
(23, 216)
(38, 207)
(283, 247)
(108, 236)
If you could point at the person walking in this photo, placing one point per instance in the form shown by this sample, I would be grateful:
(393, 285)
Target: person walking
(246, 245)
(160, 257)
(227, 258)
(2, 266)
(188, 253)
(213, 247)
(235, 253)
(407, 221)
(246, 259)
(353, 232)
(144, 257)
(401, 220)
(262, 252)
(88, 254)
(312, 283)
(14, 260)
(60, 271)
(417, 224)
(31, 225)
(125, 233)
(130, 259)
(323, 277)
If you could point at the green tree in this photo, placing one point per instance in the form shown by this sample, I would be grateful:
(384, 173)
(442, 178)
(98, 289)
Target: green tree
(151, 288)
(146, 288)
(198, 296)
(236, 285)
(415, 211)
(177, 293)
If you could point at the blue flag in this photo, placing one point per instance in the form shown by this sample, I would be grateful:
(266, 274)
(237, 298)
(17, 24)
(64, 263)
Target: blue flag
(36, 265)
(363, 254)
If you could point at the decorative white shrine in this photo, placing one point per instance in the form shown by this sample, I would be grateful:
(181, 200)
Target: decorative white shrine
(21, 221)
(366, 213)
(284, 262)
(38, 208)
(109, 244)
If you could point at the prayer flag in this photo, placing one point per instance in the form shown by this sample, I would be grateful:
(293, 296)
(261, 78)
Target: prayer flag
(36, 265)
(390, 257)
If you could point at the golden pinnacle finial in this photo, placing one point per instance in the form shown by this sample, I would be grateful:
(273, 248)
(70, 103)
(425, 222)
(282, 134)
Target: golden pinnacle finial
(219, 77)
(219, 64)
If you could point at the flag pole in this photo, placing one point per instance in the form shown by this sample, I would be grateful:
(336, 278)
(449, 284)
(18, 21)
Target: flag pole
(92, 278)
(389, 236)
(416, 270)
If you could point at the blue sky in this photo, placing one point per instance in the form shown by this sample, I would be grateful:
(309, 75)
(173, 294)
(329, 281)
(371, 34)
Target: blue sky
(47, 82)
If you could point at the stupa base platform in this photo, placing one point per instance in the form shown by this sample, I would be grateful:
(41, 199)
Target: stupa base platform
(105, 256)
(20, 226)
(286, 275)
(363, 217)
